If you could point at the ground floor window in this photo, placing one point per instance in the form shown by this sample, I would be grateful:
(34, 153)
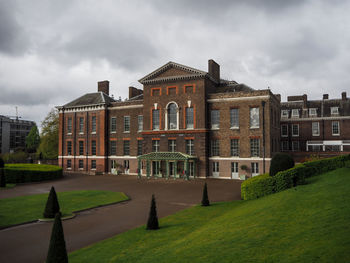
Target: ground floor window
(216, 169)
(69, 163)
(93, 164)
(255, 169)
(81, 164)
(191, 167)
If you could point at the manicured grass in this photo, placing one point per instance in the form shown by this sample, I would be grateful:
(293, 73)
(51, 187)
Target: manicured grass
(32, 167)
(8, 186)
(308, 223)
(28, 208)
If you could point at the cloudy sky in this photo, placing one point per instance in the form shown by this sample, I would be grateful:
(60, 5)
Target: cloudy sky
(52, 52)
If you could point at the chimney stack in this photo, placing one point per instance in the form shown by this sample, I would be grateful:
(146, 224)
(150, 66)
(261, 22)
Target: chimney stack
(325, 96)
(103, 86)
(278, 96)
(343, 95)
(214, 69)
(133, 92)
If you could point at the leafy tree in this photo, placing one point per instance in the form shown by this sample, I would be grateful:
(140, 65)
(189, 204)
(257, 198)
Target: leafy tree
(33, 140)
(280, 162)
(205, 199)
(52, 206)
(57, 249)
(49, 136)
(152, 223)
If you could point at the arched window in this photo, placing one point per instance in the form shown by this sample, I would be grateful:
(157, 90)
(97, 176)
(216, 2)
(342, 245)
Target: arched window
(172, 116)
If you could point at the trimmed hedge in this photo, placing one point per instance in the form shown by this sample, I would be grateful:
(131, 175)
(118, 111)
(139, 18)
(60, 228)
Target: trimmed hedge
(24, 173)
(281, 162)
(264, 184)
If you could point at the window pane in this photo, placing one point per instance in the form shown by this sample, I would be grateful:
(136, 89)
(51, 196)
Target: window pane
(215, 148)
(113, 124)
(254, 147)
(126, 147)
(113, 148)
(140, 122)
(190, 147)
(315, 129)
(215, 119)
(335, 128)
(234, 147)
(81, 148)
(254, 118)
(93, 147)
(126, 123)
(139, 147)
(81, 164)
(284, 130)
(234, 118)
(172, 116)
(172, 146)
(93, 128)
(189, 118)
(155, 119)
(81, 125)
(155, 146)
(69, 125)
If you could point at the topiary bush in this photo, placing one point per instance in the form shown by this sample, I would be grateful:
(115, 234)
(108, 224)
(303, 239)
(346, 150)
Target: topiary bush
(280, 162)
(257, 186)
(52, 206)
(57, 248)
(152, 223)
(205, 199)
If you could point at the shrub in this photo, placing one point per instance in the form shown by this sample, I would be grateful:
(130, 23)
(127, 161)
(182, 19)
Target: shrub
(257, 186)
(2, 174)
(205, 200)
(281, 162)
(152, 223)
(52, 206)
(24, 173)
(57, 249)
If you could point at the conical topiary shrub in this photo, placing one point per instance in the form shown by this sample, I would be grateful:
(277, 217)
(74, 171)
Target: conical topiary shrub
(57, 249)
(152, 223)
(52, 206)
(205, 200)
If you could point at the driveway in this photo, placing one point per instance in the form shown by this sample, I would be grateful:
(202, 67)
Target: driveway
(29, 243)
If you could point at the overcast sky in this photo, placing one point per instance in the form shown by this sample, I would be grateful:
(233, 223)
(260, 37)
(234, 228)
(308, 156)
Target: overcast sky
(52, 52)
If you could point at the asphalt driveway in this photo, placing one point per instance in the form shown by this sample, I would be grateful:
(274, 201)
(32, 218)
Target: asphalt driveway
(29, 243)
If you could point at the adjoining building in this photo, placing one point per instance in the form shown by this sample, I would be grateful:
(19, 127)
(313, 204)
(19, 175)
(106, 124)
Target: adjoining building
(184, 123)
(13, 133)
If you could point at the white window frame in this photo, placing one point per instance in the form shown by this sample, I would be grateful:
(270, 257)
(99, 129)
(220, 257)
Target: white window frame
(215, 116)
(234, 118)
(284, 114)
(295, 113)
(293, 147)
(284, 146)
(189, 119)
(216, 169)
(93, 124)
(190, 146)
(156, 125)
(313, 128)
(155, 146)
(284, 134)
(254, 113)
(113, 123)
(255, 169)
(234, 170)
(334, 110)
(167, 117)
(337, 126)
(172, 145)
(313, 112)
(295, 134)
(140, 122)
(127, 124)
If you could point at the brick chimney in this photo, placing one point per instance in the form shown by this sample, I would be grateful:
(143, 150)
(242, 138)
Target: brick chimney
(103, 86)
(214, 69)
(325, 96)
(278, 96)
(343, 95)
(133, 92)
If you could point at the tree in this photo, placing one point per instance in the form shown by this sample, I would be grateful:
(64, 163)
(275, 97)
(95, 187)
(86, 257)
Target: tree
(152, 223)
(280, 162)
(2, 173)
(52, 206)
(57, 249)
(33, 140)
(205, 200)
(49, 136)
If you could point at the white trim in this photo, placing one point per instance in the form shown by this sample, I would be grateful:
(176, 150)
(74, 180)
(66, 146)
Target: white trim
(125, 107)
(84, 108)
(238, 159)
(320, 118)
(220, 177)
(81, 157)
(238, 98)
(122, 157)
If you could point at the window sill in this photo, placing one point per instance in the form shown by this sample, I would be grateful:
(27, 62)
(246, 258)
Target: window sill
(284, 136)
(69, 168)
(215, 129)
(93, 132)
(93, 169)
(254, 128)
(69, 133)
(234, 128)
(126, 131)
(81, 133)
(295, 135)
(113, 132)
(315, 135)
(335, 134)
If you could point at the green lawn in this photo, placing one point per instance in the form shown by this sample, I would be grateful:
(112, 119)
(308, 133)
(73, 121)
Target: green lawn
(309, 223)
(31, 207)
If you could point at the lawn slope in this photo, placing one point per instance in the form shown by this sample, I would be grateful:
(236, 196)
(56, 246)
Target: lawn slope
(309, 223)
(31, 207)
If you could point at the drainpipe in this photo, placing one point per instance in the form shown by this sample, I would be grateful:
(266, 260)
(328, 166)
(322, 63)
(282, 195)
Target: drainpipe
(87, 141)
(263, 126)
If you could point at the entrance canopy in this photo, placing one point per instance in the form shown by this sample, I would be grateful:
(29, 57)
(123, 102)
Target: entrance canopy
(166, 156)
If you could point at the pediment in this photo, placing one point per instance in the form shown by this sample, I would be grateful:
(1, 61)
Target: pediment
(172, 70)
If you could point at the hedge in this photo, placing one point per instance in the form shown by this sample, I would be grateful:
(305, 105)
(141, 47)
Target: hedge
(24, 173)
(262, 185)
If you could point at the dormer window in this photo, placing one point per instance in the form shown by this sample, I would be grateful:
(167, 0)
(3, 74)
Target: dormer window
(312, 112)
(295, 113)
(284, 113)
(334, 110)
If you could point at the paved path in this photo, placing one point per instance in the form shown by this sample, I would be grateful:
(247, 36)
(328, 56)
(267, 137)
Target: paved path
(29, 243)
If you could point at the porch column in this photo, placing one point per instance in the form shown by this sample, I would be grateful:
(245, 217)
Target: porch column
(139, 168)
(194, 168)
(186, 170)
(148, 168)
(175, 165)
(167, 169)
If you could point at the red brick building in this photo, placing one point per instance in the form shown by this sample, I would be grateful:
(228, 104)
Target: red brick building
(185, 122)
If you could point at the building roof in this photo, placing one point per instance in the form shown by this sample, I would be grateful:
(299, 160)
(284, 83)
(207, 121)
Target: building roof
(96, 98)
(166, 156)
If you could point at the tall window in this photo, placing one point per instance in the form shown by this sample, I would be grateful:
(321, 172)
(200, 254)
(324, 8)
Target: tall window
(93, 147)
(315, 129)
(155, 119)
(234, 147)
(81, 125)
(81, 148)
(234, 118)
(126, 147)
(215, 147)
(234, 168)
(254, 119)
(254, 147)
(189, 118)
(69, 148)
(140, 122)
(295, 130)
(295, 146)
(69, 164)
(113, 124)
(284, 130)
(285, 146)
(126, 123)
(172, 116)
(93, 124)
(139, 147)
(113, 148)
(93, 164)
(81, 164)
(69, 125)
(172, 145)
(190, 147)
(155, 146)
(335, 128)
(215, 119)
(255, 169)
(295, 113)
